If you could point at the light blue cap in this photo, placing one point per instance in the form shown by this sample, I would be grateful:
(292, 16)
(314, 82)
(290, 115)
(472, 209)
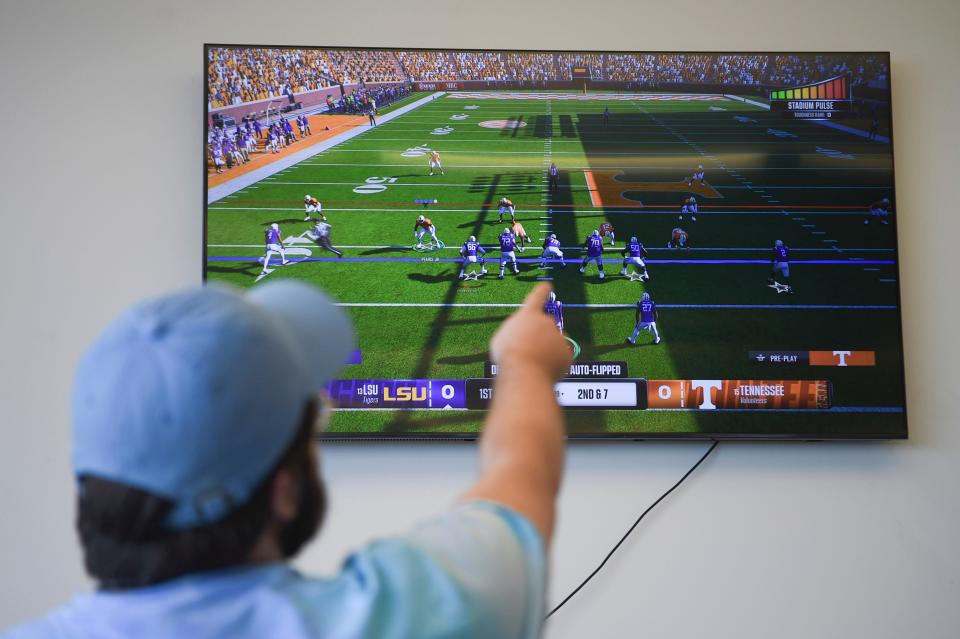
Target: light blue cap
(195, 395)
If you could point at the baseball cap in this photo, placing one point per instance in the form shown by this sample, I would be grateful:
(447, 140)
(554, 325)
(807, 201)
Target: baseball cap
(195, 395)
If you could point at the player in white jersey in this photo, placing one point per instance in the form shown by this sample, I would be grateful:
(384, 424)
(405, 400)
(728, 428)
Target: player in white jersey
(274, 242)
(312, 205)
(435, 163)
(421, 227)
(506, 206)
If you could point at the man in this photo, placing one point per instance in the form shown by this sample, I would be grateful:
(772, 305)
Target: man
(606, 231)
(320, 233)
(879, 210)
(520, 233)
(472, 253)
(698, 174)
(274, 241)
(312, 205)
(679, 239)
(508, 247)
(194, 419)
(421, 227)
(606, 116)
(554, 308)
(646, 318)
(435, 163)
(635, 253)
(506, 206)
(554, 175)
(780, 268)
(372, 117)
(594, 252)
(551, 248)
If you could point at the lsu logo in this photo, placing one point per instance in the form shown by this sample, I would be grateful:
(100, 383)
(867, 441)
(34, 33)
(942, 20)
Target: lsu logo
(405, 394)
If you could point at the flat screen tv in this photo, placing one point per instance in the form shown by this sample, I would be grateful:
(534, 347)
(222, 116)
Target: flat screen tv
(719, 228)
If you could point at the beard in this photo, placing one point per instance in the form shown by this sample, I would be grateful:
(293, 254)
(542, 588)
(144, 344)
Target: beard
(310, 514)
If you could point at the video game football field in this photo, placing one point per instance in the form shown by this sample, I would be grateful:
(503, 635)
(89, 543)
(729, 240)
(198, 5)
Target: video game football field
(629, 160)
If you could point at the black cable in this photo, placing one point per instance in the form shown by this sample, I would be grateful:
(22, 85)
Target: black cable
(627, 534)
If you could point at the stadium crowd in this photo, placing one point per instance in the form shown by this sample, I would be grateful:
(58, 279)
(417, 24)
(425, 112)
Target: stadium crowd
(245, 75)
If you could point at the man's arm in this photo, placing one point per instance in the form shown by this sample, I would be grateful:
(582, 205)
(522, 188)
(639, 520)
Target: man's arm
(521, 452)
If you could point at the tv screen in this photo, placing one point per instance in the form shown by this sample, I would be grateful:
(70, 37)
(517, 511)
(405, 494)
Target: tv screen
(719, 229)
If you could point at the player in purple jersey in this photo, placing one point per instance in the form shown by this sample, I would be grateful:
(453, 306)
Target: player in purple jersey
(551, 247)
(306, 125)
(780, 264)
(646, 318)
(472, 253)
(508, 247)
(218, 160)
(258, 129)
(634, 253)
(879, 210)
(594, 247)
(274, 241)
(554, 308)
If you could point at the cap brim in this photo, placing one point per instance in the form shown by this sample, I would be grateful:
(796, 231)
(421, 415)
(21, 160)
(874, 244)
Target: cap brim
(322, 330)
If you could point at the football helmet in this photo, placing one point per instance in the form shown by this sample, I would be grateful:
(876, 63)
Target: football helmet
(645, 297)
(471, 239)
(552, 297)
(420, 218)
(633, 239)
(778, 243)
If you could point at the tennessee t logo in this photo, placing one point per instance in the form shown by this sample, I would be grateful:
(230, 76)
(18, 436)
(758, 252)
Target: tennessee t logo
(607, 188)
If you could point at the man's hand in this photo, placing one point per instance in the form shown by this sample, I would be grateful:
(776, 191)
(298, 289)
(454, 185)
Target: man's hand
(521, 452)
(529, 336)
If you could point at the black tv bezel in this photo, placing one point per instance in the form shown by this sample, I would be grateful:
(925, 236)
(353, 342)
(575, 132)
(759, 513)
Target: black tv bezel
(421, 437)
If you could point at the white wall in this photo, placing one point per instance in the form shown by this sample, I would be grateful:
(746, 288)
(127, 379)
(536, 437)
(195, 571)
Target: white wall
(101, 206)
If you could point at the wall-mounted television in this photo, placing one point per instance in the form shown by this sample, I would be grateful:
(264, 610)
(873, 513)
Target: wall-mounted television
(719, 229)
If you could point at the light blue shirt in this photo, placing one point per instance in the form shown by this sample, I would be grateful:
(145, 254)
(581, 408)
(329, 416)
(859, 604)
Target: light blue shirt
(478, 570)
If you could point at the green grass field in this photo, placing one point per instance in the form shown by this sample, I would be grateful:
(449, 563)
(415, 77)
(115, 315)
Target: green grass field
(800, 182)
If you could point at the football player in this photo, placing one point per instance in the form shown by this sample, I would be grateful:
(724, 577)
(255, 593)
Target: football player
(554, 308)
(421, 227)
(551, 247)
(520, 233)
(689, 206)
(472, 253)
(594, 249)
(218, 160)
(696, 177)
(506, 206)
(312, 205)
(634, 253)
(508, 245)
(646, 317)
(274, 241)
(780, 265)
(320, 233)
(435, 163)
(679, 239)
(606, 230)
(880, 210)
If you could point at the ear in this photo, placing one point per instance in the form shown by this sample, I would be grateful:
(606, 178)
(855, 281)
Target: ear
(285, 495)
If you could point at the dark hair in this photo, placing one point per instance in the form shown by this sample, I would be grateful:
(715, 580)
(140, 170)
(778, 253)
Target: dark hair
(127, 544)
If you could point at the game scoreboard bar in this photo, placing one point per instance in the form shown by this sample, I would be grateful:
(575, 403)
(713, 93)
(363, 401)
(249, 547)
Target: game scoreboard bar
(615, 393)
